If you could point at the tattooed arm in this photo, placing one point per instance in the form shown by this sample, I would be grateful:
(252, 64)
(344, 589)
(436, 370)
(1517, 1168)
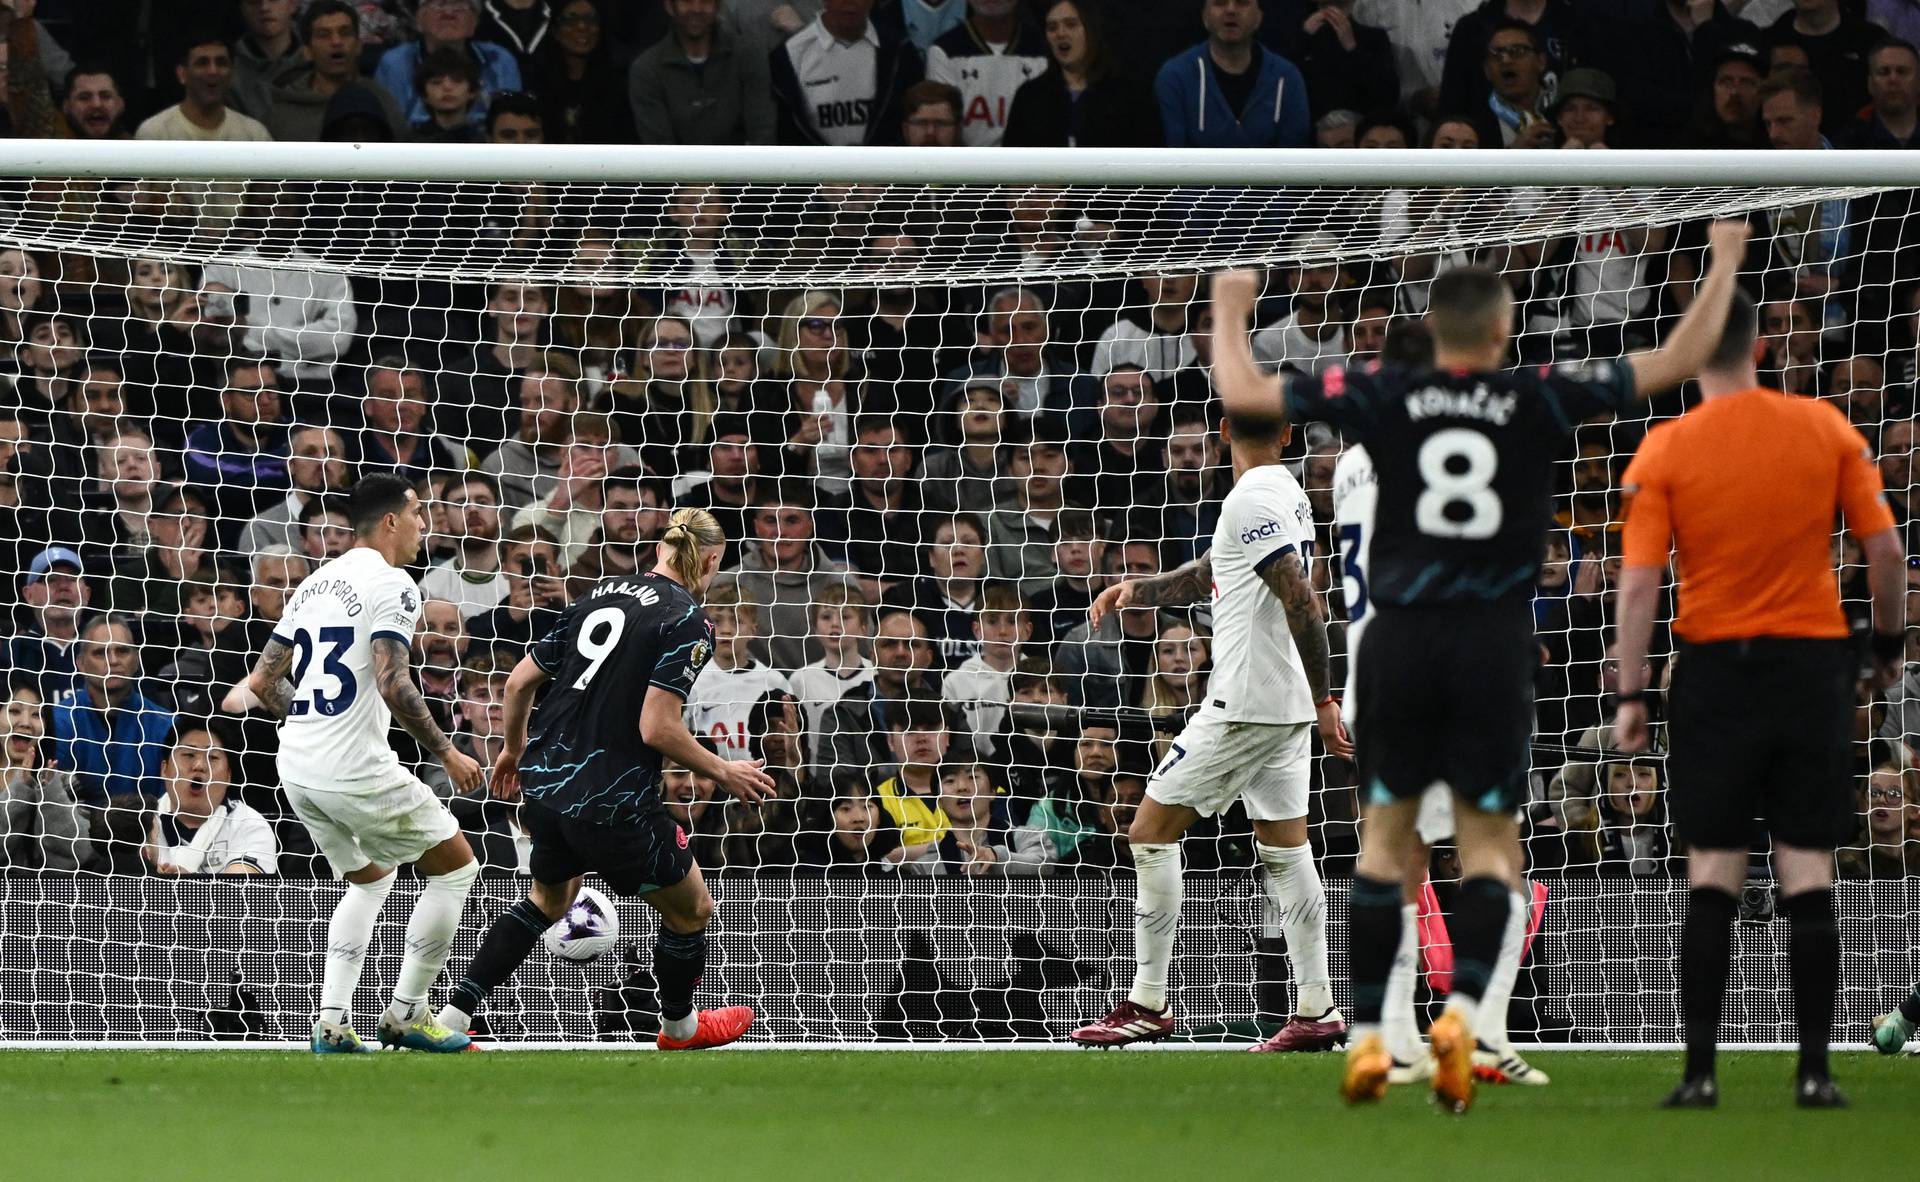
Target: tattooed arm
(1288, 579)
(267, 686)
(393, 676)
(1175, 588)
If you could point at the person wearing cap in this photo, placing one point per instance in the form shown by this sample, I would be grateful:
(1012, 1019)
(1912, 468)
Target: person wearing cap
(1728, 112)
(1660, 54)
(968, 474)
(1585, 109)
(56, 594)
(446, 24)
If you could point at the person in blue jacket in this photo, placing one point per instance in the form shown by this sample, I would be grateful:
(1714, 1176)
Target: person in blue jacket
(110, 738)
(1230, 91)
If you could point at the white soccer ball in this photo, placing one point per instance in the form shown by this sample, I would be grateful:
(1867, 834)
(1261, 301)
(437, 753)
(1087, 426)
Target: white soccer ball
(589, 928)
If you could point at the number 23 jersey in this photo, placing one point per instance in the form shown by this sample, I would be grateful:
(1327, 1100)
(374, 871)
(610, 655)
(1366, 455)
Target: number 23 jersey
(335, 733)
(1464, 465)
(626, 636)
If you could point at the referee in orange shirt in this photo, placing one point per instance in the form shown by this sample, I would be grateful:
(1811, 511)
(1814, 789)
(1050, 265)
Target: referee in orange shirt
(1743, 490)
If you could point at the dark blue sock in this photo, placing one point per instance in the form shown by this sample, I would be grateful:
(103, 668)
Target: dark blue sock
(1813, 945)
(1478, 925)
(505, 948)
(678, 960)
(1706, 943)
(1910, 1008)
(1373, 936)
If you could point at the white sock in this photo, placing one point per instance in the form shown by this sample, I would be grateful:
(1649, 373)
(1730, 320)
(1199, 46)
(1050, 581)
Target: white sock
(1469, 1008)
(454, 1019)
(1397, 1022)
(436, 917)
(1491, 1026)
(1294, 890)
(682, 1028)
(1156, 920)
(348, 933)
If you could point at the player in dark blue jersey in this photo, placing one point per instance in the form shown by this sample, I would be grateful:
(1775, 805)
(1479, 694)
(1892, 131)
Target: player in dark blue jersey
(1463, 454)
(617, 669)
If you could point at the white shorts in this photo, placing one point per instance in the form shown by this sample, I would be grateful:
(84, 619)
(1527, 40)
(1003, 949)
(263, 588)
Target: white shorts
(1435, 822)
(1215, 762)
(391, 825)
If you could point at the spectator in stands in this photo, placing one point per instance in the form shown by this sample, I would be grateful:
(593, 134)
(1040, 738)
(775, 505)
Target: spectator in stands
(634, 518)
(471, 579)
(1176, 681)
(1515, 64)
(883, 515)
(95, 107)
(1335, 129)
(947, 598)
(277, 571)
(180, 549)
(1556, 27)
(515, 320)
(1837, 42)
(437, 647)
(528, 465)
(212, 648)
(1729, 114)
(242, 458)
(1082, 100)
(785, 571)
(1584, 109)
(268, 48)
(317, 465)
(733, 467)
(1103, 666)
(40, 823)
(1347, 65)
(1015, 349)
(536, 593)
(917, 742)
(1230, 91)
(1882, 848)
(854, 730)
(1022, 533)
(55, 594)
(811, 396)
(1790, 338)
(398, 435)
(1312, 335)
(690, 802)
(301, 316)
(987, 58)
(517, 118)
(852, 835)
(446, 24)
(931, 113)
(1061, 605)
(1188, 496)
(778, 733)
(22, 283)
(1060, 822)
(480, 732)
(449, 82)
(1858, 386)
(1624, 830)
(982, 685)
(324, 530)
(735, 679)
(199, 827)
(698, 85)
(1119, 457)
(1153, 337)
(205, 71)
(839, 80)
(113, 523)
(111, 738)
(1893, 118)
(699, 240)
(329, 61)
(842, 632)
(979, 839)
(1385, 130)
(580, 79)
(967, 475)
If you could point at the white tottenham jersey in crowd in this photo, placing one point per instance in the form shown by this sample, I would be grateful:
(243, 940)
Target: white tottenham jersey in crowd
(723, 698)
(837, 81)
(1354, 495)
(335, 733)
(1257, 674)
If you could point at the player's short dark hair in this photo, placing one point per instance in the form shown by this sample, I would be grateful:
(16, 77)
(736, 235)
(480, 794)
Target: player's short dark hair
(1256, 427)
(1736, 339)
(1408, 345)
(320, 8)
(1464, 306)
(372, 497)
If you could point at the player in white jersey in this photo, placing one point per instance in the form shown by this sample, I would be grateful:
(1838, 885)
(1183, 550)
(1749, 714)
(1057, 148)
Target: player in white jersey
(1495, 1060)
(337, 672)
(1252, 740)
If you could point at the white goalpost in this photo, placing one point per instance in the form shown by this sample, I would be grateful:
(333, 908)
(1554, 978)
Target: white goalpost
(939, 397)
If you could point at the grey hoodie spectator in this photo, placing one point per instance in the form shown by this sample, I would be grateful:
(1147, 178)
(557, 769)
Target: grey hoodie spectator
(269, 48)
(40, 824)
(302, 93)
(785, 570)
(699, 84)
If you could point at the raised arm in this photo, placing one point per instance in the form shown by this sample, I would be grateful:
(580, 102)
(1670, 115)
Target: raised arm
(1287, 577)
(1693, 340)
(1244, 387)
(393, 676)
(1175, 588)
(267, 687)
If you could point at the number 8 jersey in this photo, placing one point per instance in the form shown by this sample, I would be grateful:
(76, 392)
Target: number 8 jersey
(628, 635)
(335, 733)
(1464, 463)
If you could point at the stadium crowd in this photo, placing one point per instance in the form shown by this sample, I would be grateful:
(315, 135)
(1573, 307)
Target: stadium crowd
(926, 486)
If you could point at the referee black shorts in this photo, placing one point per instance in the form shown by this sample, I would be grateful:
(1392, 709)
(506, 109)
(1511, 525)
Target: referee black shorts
(1761, 729)
(635, 859)
(1446, 694)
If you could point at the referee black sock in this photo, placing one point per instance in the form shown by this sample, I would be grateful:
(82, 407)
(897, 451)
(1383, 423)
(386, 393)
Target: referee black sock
(1479, 925)
(503, 949)
(1706, 942)
(678, 960)
(1910, 1008)
(1373, 935)
(1815, 949)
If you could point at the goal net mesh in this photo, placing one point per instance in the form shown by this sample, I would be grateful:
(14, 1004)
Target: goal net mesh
(935, 420)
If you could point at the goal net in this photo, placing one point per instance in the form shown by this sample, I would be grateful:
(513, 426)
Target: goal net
(938, 402)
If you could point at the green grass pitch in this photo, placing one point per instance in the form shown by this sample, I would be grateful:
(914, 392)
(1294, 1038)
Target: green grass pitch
(151, 1116)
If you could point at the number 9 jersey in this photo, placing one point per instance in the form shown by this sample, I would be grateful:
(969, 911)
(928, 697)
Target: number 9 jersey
(1464, 463)
(629, 635)
(335, 732)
